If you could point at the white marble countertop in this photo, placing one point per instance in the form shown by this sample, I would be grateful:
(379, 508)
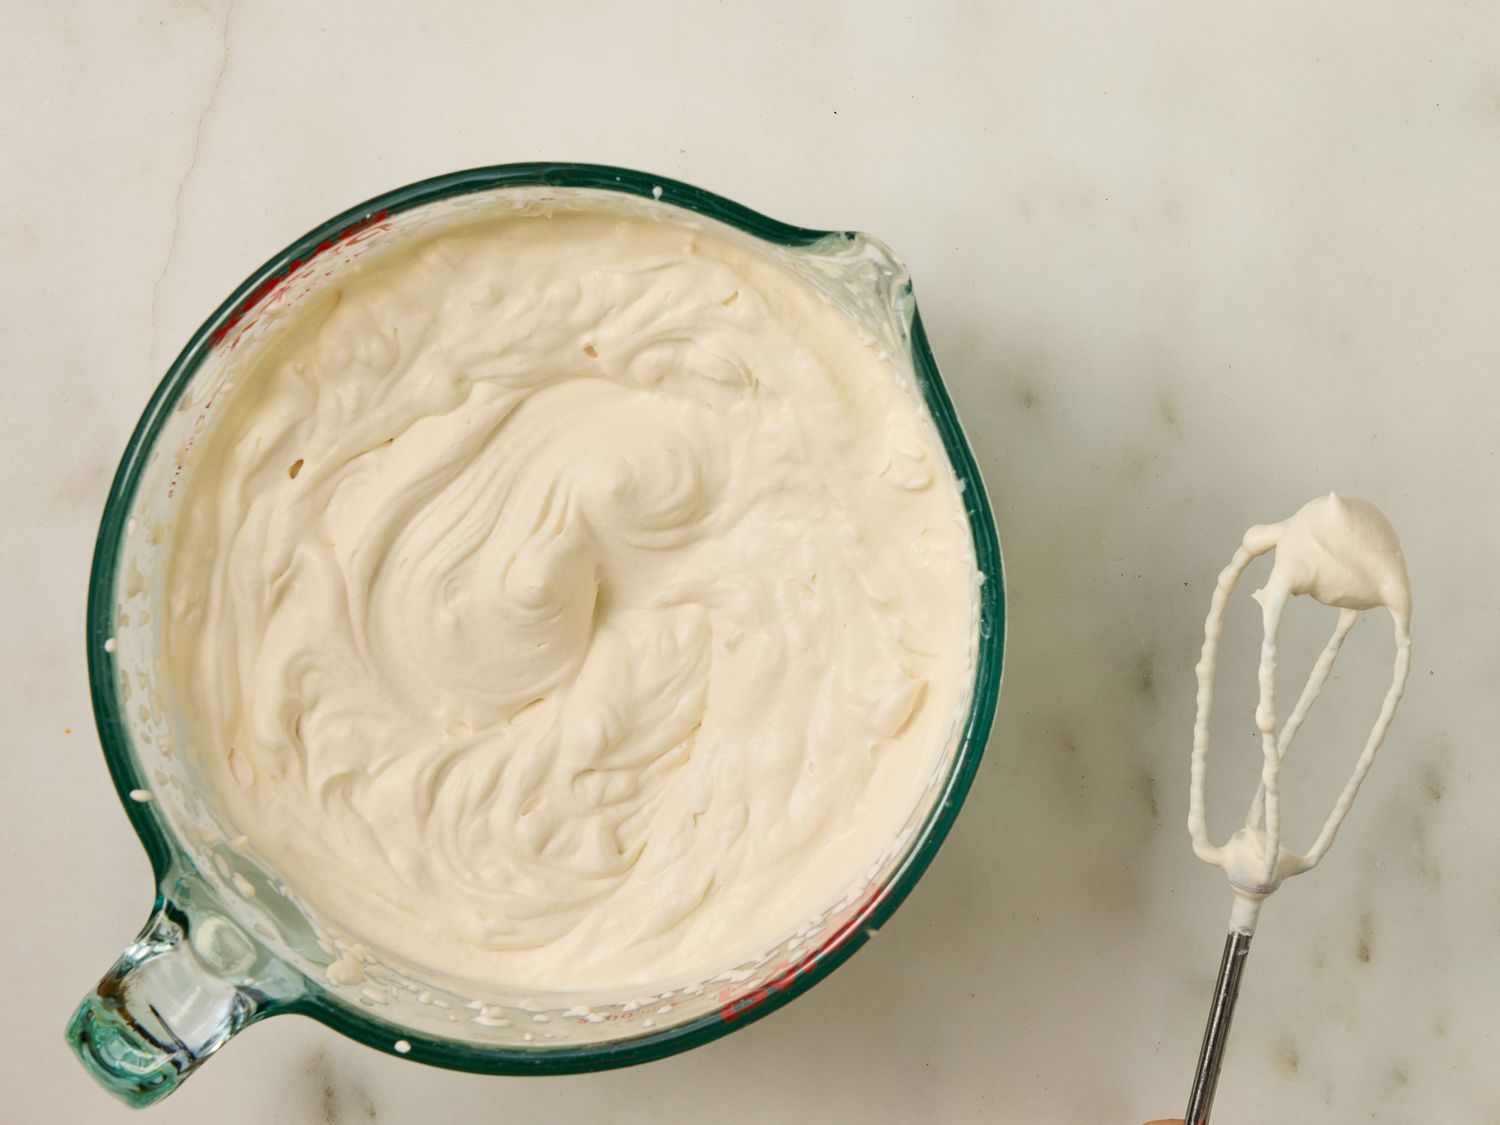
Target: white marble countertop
(1184, 267)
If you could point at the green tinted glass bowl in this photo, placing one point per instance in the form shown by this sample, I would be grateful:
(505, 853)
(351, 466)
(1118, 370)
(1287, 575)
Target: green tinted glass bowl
(227, 943)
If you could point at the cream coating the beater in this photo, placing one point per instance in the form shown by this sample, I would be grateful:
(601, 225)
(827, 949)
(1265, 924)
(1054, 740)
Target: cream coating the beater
(1340, 551)
(570, 602)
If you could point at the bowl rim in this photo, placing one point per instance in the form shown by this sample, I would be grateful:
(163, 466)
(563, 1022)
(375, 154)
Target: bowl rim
(326, 1007)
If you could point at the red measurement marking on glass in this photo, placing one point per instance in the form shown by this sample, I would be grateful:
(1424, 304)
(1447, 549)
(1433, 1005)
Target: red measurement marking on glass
(736, 1008)
(187, 446)
(241, 319)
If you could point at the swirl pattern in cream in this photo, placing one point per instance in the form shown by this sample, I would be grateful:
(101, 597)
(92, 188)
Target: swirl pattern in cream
(570, 602)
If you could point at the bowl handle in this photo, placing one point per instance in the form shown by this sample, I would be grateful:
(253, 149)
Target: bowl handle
(171, 1000)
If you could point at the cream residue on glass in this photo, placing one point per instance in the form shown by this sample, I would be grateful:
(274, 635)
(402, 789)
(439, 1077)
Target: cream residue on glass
(1344, 553)
(569, 602)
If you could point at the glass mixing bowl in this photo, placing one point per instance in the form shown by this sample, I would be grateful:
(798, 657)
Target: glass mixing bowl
(227, 943)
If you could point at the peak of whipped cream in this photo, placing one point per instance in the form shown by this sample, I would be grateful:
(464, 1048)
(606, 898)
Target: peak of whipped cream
(1338, 550)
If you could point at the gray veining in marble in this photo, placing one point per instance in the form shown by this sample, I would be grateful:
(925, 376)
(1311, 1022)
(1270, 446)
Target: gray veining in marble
(1185, 266)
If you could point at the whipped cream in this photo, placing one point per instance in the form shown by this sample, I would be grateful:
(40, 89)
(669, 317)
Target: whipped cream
(1344, 553)
(568, 602)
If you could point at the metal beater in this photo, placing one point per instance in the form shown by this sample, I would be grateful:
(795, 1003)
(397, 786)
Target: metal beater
(1342, 552)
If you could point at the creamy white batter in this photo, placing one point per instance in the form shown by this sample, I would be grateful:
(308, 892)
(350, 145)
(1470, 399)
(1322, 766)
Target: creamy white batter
(1344, 553)
(570, 602)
